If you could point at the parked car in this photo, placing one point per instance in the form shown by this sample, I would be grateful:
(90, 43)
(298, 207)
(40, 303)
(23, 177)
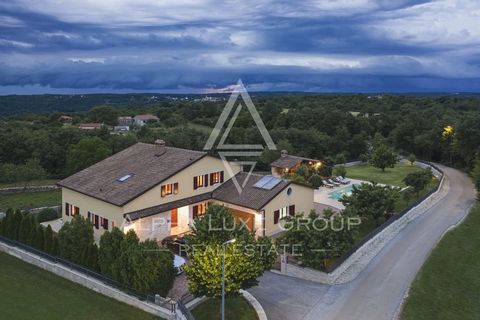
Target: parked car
(178, 263)
(176, 244)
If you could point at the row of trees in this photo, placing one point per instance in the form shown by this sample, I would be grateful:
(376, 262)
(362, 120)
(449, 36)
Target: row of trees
(23, 227)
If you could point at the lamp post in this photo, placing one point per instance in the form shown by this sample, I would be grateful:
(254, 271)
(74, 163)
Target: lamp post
(222, 311)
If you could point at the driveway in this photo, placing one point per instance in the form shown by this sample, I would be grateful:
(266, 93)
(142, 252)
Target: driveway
(379, 289)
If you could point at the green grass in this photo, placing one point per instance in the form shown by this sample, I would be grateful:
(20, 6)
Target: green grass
(46, 182)
(28, 200)
(28, 292)
(235, 309)
(391, 176)
(447, 286)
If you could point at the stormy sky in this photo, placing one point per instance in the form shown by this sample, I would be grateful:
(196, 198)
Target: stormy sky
(54, 46)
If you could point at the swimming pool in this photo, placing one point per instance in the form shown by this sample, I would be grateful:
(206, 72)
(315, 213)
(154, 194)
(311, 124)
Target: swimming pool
(338, 194)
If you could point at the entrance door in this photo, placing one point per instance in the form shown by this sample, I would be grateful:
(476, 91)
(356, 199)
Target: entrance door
(174, 217)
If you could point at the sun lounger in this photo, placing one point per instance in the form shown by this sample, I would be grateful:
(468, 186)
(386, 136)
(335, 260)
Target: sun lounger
(340, 180)
(336, 184)
(326, 184)
(346, 181)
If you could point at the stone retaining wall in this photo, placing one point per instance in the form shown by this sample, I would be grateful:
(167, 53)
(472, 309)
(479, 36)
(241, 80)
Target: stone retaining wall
(13, 190)
(354, 264)
(88, 282)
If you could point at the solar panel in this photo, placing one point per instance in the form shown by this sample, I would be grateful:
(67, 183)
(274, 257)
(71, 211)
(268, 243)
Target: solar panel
(125, 177)
(260, 183)
(267, 182)
(271, 184)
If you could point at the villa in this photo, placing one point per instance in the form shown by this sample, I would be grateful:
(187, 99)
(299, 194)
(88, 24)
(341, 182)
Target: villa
(158, 190)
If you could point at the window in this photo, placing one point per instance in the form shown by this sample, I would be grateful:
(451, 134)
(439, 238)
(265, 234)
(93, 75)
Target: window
(283, 212)
(98, 221)
(169, 189)
(71, 210)
(200, 181)
(125, 177)
(199, 210)
(216, 177)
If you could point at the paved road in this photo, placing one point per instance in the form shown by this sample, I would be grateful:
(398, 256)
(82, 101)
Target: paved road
(379, 289)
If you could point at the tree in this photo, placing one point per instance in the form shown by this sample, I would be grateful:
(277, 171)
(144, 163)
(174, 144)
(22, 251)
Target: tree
(418, 180)
(412, 159)
(371, 200)
(245, 261)
(90, 257)
(340, 171)
(74, 237)
(110, 250)
(104, 114)
(39, 241)
(315, 180)
(31, 170)
(476, 172)
(25, 228)
(48, 244)
(383, 157)
(85, 153)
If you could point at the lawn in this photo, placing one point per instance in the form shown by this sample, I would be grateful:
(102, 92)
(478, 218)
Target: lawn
(391, 176)
(447, 286)
(235, 309)
(28, 292)
(28, 200)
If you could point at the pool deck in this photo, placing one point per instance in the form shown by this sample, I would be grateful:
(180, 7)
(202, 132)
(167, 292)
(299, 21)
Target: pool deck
(322, 199)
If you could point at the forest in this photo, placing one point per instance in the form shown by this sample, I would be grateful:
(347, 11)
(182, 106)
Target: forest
(331, 128)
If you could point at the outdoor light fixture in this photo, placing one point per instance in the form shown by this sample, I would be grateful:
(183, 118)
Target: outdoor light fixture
(222, 310)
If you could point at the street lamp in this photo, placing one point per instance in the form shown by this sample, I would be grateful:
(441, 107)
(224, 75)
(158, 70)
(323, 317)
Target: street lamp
(222, 311)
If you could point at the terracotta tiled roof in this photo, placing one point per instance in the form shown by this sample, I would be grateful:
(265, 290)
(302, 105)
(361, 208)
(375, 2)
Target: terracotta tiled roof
(147, 164)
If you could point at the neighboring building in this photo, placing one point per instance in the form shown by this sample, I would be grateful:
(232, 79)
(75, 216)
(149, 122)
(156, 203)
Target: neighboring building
(121, 128)
(65, 118)
(125, 121)
(91, 126)
(143, 119)
(287, 164)
(160, 190)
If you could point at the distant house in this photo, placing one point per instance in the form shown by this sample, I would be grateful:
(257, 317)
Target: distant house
(143, 119)
(121, 128)
(91, 126)
(65, 118)
(289, 164)
(125, 121)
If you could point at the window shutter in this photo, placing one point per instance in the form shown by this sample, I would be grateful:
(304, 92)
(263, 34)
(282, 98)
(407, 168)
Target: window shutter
(162, 192)
(96, 221)
(67, 209)
(175, 188)
(105, 223)
(291, 210)
(195, 211)
(221, 176)
(89, 214)
(205, 178)
(76, 210)
(195, 183)
(276, 216)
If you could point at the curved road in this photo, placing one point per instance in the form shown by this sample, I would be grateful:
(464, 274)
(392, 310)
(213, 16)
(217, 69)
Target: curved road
(378, 290)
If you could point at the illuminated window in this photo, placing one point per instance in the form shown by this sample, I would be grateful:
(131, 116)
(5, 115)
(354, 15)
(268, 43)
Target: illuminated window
(169, 189)
(98, 221)
(216, 177)
(200, 181)
(199, 210)
(71, 210)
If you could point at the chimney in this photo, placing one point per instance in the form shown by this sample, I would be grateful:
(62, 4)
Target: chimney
(160, 142)
(283, 153)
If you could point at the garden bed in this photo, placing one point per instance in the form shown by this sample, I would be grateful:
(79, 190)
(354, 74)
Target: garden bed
(236, 308)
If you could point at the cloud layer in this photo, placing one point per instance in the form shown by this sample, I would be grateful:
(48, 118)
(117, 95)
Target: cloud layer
(196, 46)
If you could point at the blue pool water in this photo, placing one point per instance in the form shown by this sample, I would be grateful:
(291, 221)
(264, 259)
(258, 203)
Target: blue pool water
(338, 194)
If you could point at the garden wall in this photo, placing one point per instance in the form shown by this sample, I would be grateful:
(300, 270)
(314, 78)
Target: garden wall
(356, 260)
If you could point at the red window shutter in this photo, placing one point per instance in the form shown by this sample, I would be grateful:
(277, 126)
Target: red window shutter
(175, 188)
(195, 211)
(96, 221)
(205, 178)
(67, 209)
(276, 216)
(291, 210)
(105, 223)
(195, 185)
(221, 176)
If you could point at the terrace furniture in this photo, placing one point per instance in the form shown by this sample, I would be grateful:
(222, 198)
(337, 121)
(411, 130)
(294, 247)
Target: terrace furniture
(345, 180)
(336, 184)
(340, 180)
(326, 184)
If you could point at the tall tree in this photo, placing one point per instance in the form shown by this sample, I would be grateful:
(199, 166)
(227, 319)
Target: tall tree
(85, 153)
(74, 237)
(383, 157)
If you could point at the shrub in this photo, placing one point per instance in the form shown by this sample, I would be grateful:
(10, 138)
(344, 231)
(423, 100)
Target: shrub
(315, 180)
(340, 171)
(74, 237)
(47, 214)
